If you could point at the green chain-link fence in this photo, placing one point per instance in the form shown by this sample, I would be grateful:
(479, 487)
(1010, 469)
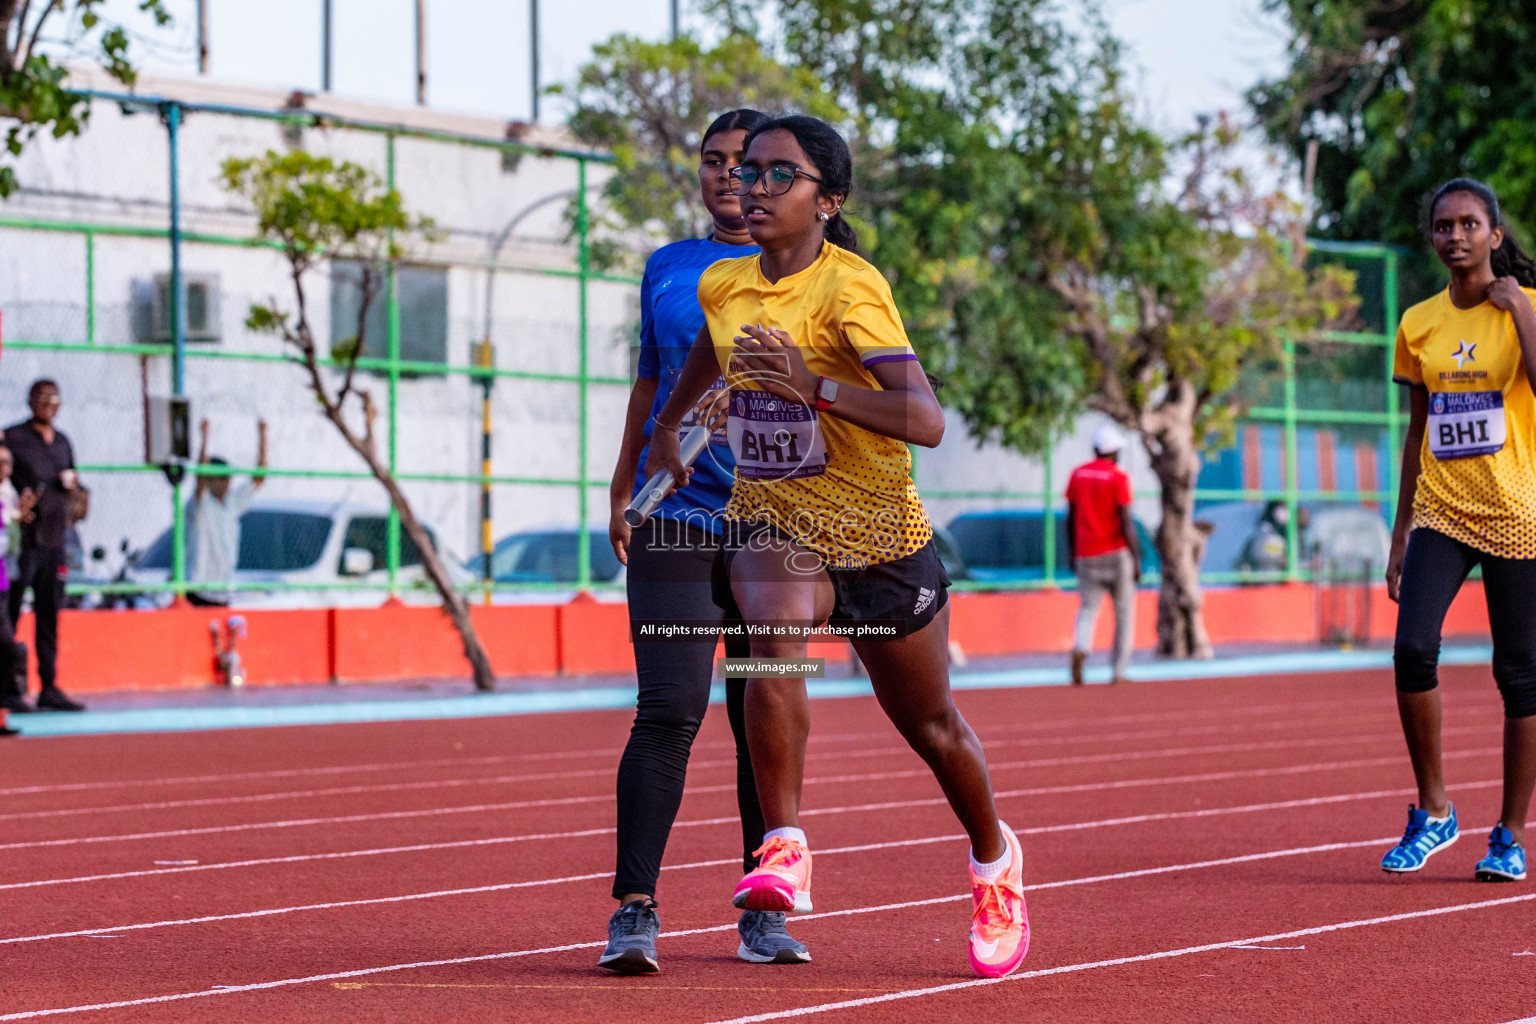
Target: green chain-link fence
(500, 362)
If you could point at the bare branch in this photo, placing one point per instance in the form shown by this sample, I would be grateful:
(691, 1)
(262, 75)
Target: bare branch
(370, 416)
(37, 30)
(369, 286)
(8, 48)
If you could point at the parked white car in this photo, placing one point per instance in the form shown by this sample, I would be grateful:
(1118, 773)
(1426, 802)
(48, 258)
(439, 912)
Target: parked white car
(311, 553)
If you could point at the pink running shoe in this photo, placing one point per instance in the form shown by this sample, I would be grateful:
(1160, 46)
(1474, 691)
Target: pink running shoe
(999, 919)
(782, 880)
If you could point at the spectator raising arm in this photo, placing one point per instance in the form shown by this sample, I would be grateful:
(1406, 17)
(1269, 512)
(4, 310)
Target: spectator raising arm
(202, 460)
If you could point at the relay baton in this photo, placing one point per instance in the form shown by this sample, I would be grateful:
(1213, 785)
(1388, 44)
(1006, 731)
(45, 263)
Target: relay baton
(656, 488)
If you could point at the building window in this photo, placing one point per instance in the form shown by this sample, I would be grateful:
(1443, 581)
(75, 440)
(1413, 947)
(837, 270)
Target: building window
(423, 297)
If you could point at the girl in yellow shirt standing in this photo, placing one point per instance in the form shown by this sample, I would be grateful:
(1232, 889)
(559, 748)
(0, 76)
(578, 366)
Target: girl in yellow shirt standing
(1468, 498)
(824, 394)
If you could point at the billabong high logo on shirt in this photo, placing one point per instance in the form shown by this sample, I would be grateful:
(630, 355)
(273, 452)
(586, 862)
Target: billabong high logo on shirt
(924, 599)
(1464, 354)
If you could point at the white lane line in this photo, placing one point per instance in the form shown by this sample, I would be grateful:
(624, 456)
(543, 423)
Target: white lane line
(915, 993)
(812, 812)
(497, 780)
(298, 822)
(444, 893)
(336, 976)
(1093, 787)
(822, 852)
(1146, 755)
(1116, 757)
(1225, 713)
(731, 820)
(291, 773)
(1036, 830)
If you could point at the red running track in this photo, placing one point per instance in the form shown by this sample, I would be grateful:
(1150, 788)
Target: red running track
(1195, 851)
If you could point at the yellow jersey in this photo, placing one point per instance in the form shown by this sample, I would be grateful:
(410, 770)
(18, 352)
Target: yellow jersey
(843, 492)
(1477, 479)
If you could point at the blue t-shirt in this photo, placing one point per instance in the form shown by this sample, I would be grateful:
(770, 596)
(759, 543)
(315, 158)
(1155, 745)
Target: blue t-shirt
(670, 319)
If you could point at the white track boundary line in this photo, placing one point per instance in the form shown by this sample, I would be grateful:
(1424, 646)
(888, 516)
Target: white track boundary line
(804, 1011)
(693, 765)
(1205, 812)
(568, 947)
(813, 812)
(862, 848)
(1209, 750)
(613, 752)
(290, 773)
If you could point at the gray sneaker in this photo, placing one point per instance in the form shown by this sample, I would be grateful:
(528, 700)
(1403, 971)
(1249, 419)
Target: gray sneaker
(632, 932)
(765, 941)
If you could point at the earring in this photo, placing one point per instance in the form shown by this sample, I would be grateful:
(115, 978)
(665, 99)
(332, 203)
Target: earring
(823, 215)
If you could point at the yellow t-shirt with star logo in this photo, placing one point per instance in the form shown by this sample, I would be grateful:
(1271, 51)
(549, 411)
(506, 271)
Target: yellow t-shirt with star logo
(1477, 479)
(843, 492)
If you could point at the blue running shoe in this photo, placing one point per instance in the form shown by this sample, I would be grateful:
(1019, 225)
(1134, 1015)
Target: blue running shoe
(1506, 858)
(1423, 837)
(632, 932)
(764, 940)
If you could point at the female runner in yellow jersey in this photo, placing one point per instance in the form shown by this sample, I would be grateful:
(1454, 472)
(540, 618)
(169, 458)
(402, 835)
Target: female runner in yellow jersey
(1468, 498)
(824, 394)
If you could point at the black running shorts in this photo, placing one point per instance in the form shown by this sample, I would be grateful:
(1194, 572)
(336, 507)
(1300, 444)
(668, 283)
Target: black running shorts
(906, 594)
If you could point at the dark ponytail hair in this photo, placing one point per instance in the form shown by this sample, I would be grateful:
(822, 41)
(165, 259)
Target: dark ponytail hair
(1508, 260)
(826, 149)
(743, 120)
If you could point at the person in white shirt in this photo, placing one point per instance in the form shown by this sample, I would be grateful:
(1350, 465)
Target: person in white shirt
(214, 522)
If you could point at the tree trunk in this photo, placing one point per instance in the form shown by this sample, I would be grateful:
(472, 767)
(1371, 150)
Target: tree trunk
(1170, 440)
(453, 602)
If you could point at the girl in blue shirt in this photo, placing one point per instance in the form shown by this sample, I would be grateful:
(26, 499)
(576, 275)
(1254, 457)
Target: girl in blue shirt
(669, 559)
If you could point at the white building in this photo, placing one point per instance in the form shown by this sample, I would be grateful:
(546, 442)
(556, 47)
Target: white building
(99, 208)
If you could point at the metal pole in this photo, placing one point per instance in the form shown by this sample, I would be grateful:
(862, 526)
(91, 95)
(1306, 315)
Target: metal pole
(326, 24)
(485, 357)
(533, 54)
(90, 287)
(676, 20)
(202, 37)
(178, 333)
(1049, 528)
(1389, 330)
(392, 305)
(583, 552)
(1292, 530)
(421, 53)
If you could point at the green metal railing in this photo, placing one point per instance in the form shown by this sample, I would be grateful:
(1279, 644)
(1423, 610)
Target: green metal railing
(172, 114)
(1291, 415)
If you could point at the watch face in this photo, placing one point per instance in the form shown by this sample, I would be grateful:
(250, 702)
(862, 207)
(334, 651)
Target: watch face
(827, 392)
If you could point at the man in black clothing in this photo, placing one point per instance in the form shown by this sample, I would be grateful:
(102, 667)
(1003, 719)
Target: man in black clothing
(45, 466)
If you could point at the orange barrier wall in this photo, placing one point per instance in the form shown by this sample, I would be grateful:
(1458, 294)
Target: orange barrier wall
(171, 649)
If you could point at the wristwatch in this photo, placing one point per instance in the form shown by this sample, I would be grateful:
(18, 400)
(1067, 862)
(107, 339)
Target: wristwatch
(826, 393)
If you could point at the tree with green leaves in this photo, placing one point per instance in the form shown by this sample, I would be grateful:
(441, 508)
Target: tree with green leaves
(1400, 97)
(33, 94)
(317, 211)
(646, 103)
(1044, 253)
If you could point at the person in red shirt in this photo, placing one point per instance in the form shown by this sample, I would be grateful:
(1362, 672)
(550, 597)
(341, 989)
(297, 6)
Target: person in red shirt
(1103, 549)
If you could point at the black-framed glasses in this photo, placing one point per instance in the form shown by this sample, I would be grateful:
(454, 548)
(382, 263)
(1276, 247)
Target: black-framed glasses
(776, 179)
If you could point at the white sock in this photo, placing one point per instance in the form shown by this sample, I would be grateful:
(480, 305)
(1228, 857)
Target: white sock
(987, 872)
(786, 833)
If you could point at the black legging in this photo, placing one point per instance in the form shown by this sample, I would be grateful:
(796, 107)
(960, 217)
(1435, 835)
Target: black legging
(40, 569)
(669, 582)
(1433, 570)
